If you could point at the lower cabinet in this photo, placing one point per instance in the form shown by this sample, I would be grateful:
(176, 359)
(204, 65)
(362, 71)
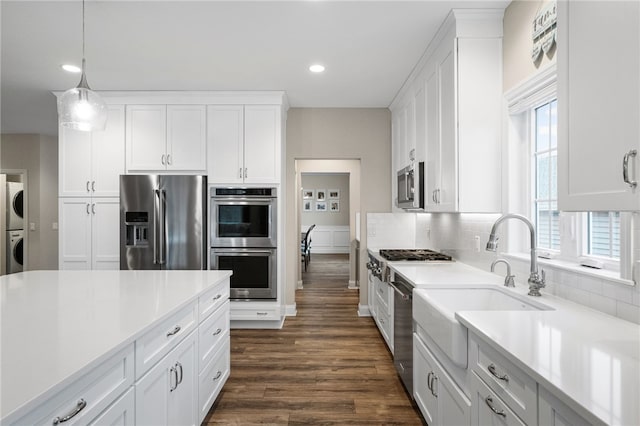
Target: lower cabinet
(487, 407)
(553, 412)
(121, 412)
(440, 400)
(212, 378)
(167, 394)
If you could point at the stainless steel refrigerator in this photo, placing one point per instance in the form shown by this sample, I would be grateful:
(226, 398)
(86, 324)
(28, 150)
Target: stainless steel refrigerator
(163, 222)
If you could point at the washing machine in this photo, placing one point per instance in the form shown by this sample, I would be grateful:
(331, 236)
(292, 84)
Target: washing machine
(15, 206)
(15, 251)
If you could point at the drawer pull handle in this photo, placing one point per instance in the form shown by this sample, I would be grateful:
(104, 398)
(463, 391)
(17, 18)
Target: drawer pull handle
(217, 375)
(79, 407)
(174, 331)
(263, 313)
(489, 401)
(218, 331)
(492, 370)
(217, 297)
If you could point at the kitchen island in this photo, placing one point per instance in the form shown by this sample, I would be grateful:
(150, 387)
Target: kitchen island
(77, 343)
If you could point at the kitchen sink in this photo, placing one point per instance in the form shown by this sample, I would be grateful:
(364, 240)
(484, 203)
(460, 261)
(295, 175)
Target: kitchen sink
(434, 311)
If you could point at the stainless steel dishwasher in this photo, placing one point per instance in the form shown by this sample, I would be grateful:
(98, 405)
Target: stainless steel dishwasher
(403, 330)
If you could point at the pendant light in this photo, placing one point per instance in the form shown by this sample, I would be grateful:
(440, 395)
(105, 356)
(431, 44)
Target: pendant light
(81, 108)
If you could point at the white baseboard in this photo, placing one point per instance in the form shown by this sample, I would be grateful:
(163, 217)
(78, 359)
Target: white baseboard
(363, 310)
(352, 285)
(291, 310)
(299, 285)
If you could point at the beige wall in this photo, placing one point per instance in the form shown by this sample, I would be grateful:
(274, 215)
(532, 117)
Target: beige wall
(339, 181)
(517, 43)
(337, 133)
(38, 155)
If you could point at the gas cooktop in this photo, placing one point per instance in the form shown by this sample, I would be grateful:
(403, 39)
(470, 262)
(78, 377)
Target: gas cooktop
(415, 254)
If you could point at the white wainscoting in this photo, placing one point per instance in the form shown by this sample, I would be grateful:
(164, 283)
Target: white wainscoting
(329, 239)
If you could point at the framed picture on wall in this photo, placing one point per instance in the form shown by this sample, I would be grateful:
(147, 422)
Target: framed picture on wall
(334, 206)
(334, 194)
(307, 194)
(321, 206)
(321, 194)
(306, 205)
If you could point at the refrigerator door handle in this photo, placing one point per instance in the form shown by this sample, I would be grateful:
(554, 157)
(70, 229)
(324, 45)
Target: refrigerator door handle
(163, 230)
(156, 219)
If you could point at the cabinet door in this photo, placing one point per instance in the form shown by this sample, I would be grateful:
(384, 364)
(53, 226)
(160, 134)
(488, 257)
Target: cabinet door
(105, 233)
(74, 215)
(161, 399)
(598, 105)
(74, 175)
(146, 137)
(423, 372)
(107, 155)
(432, 160)
(490, 409)
(186, 138)
(262, 140)
(447, 195)
(225, 140)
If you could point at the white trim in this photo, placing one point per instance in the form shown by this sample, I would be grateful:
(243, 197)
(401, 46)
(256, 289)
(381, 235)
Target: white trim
(363, 310)
(352, 285)
(290, 310)
(533, 91)
(300, 287)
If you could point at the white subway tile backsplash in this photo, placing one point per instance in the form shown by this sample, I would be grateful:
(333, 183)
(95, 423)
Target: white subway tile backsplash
(580, 296)
(617, 291)
(602, 304)
(628, 312)
(590, 284)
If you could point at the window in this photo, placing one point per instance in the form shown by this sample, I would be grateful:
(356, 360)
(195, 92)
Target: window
(545, 155)
(603, 234)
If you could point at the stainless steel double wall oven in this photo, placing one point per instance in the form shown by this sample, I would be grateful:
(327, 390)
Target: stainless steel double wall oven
(243, 237)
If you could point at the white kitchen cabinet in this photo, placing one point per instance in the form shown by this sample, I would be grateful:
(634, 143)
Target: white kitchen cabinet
(166, 138)
(168, 393)
(244, 144)
(488, 408)
(89, 236)
(121, 412)
(598, 105)
(463, 98)
(90, 163)
(439, 398)
(553, 412)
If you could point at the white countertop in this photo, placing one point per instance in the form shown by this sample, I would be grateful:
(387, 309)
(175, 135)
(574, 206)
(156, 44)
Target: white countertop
(589, 360)
(55, 325)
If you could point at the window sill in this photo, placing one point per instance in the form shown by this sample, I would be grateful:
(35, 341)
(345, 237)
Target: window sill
(608, 275)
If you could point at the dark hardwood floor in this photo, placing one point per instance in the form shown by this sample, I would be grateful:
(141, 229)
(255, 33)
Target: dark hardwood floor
(326, 366)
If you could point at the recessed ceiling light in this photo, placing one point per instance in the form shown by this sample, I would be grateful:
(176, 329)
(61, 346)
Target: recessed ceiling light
(316, 68)
(71, 68)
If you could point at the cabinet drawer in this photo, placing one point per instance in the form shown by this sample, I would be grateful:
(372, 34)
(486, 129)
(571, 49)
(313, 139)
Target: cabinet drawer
(98, 389)
(212, 332)
(385, 326)
(382, 293)
(213, 377)
(157, 342)
(255, 313)
(488, 408)
(515, 388)
(212, 299)
(120, 412)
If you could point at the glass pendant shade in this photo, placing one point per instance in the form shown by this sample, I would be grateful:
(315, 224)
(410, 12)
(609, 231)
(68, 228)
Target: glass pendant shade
(81, 108)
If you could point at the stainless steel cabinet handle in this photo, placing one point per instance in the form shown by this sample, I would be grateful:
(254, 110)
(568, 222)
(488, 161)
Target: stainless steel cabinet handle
(217, 375)
(174, 331)
(429, 380)
(168, 159)
(625, 168)
(79, 407)
(93, 186)
(218, 296)
(240, 173)
(489, 401)
(88, 211)
(492, 370)
(434, 383)
(173, 373)
(88, 190)
(163, 160)
(245, 173)
(218, 331)
(262, 313)
(179, 367)
(93, 208)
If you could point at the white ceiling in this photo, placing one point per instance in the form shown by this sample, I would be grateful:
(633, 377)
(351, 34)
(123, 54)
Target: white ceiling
(368, 47)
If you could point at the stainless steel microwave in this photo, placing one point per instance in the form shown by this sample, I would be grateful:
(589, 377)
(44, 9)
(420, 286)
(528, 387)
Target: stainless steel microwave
(411, 187)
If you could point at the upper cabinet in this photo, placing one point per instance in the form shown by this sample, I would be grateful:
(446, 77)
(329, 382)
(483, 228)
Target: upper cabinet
(166, 138)
(598, 106)
(449, 115)
(245, 143)
(90, 163)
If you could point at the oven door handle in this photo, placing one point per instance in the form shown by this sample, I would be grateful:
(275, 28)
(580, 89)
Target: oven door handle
(243, 200)
(404, 295)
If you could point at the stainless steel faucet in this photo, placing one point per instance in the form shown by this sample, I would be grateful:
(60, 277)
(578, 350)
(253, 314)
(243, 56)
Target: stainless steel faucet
(508, 279)
(536, 280)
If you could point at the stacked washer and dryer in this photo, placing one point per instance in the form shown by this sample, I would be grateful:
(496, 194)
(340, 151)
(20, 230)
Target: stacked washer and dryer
(15, 227)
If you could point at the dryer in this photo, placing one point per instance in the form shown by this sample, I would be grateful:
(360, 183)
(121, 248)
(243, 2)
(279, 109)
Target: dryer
(15, 206)
(15, 251)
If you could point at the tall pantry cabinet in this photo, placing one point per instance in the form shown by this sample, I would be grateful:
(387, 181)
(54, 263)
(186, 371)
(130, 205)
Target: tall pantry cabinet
(90, 165)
